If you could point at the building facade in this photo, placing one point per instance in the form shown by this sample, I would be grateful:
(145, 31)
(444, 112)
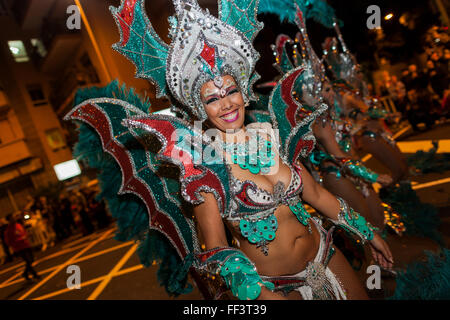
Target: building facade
(48, 50)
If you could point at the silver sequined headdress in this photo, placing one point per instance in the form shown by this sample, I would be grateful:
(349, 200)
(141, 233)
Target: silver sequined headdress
(343, 65)
(203, 48)
(310, 83)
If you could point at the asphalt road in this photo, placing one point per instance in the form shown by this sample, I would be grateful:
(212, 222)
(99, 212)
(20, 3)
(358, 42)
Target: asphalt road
(110, 270)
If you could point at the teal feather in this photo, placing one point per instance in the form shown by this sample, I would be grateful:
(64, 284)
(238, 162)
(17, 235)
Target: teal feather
(428, 280)
(429, 161)
(420, 219)
(318, 10)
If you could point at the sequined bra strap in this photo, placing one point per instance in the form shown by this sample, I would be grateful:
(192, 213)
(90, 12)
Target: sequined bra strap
(254, 208)
(249, 197)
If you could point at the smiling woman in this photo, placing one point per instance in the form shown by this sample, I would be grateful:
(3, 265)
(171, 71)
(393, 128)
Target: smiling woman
(224, 106)
(258, 194)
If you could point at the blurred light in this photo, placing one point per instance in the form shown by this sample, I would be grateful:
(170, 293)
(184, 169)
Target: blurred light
(403, 21)
(27, 217)
(389, 16)
(14, 50)
(18, 51)
(67, 170)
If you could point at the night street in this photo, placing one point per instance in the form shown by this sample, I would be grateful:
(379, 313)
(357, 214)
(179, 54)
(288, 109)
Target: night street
(111, 269)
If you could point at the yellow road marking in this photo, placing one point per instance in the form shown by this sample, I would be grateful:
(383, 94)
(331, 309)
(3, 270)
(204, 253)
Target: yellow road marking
(82, 285)
(425, 145)
(68, 245)
(414, 146)
(5, 283)
(68, 262)
(366, 158)
(431, 184)
(89, 237)
(59, 253)
(395, 136)
(93, 255)
(398, 134)
(110, 275)
(93, 281)
(56, 254)
(13, 267)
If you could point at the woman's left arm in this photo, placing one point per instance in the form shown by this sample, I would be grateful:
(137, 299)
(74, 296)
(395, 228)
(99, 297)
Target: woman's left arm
(327, 204)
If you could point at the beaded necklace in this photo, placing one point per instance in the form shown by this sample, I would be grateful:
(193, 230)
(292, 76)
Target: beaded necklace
(257, 159)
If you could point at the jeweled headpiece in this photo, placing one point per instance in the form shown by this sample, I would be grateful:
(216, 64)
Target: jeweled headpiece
(343, 65)
(203, 48)
(308, 58)
(314, 75)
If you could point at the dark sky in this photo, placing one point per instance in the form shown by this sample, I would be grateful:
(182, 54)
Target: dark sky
(356, 34)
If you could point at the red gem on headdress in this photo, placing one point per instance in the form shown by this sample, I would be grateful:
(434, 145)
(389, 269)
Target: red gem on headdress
(209, 54)
(126, 19)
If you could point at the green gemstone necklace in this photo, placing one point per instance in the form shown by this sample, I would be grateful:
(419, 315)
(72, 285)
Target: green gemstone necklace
(258, 158)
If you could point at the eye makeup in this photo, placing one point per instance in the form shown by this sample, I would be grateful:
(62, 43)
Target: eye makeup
(213, 95)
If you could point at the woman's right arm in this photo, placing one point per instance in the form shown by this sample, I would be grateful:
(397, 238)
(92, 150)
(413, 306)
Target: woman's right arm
(212, 230)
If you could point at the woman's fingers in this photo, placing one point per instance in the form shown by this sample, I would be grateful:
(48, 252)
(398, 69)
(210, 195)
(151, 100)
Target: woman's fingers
(387, 253)
(387, 257)
(382, 254)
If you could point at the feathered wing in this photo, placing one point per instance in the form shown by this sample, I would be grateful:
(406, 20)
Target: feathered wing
(258, 110)
(241, 14)
(319, 10)
(139, 169)
(147, 204)
(292, 120)
(182, 146)
(141, 44)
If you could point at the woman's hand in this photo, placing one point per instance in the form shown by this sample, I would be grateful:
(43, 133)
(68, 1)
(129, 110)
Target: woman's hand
(385, 180)
(381, 252)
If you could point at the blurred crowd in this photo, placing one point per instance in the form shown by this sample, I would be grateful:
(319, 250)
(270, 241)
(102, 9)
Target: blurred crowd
(50, 220)
(422, 94)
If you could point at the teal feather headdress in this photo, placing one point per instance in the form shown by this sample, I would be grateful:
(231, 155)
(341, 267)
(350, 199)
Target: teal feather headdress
(318, 10)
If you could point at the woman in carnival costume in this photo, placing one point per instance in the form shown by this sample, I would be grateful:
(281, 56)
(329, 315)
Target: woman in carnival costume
(247, 179)
(333, 160)
(362, 110)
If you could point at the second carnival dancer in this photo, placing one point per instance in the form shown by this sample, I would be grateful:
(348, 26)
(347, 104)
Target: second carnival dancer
(332, 162)
(281, 252)
(339, 171)
(362, 110)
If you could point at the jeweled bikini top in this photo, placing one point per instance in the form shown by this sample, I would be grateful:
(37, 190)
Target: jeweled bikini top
(254, 208)
(254, 204)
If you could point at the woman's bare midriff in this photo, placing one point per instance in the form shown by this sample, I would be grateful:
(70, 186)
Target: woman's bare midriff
(293, 246)
(290, 251)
